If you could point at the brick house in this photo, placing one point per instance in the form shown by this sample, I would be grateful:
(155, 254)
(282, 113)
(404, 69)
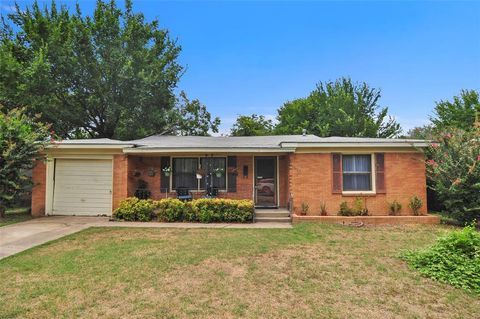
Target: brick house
(91, 177)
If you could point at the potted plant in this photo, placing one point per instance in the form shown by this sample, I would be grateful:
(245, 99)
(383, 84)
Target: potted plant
(200, 173)
(218, 171)
(167, 170)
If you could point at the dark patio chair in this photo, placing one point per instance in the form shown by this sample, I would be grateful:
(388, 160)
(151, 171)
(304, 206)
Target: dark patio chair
(212, 192)
(183, 194)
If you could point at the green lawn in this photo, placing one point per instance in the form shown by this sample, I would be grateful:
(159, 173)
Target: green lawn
(310, 271)
(15, 215)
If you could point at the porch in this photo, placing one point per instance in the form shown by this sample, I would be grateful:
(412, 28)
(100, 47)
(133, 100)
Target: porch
(263, 179)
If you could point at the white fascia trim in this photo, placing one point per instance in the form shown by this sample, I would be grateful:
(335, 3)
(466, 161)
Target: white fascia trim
(89, 146)
(208, 150)
(387, 144)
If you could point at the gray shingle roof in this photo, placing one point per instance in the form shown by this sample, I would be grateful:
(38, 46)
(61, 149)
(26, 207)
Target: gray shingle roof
(162, 141)
(244, 142)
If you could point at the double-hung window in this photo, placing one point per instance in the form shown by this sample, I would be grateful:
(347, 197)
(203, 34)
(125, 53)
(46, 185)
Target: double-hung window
(357, 172)
(184, 173)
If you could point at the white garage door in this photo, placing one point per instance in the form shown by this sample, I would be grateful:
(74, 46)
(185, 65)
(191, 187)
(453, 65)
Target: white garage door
(82, 187)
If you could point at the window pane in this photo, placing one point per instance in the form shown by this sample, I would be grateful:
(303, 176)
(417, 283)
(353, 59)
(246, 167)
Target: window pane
(209, 164)
(356, 163)
(357, 172)
(357, 182)
(184, 170)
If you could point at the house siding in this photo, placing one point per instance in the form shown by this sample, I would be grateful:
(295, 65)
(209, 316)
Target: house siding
(310, 182)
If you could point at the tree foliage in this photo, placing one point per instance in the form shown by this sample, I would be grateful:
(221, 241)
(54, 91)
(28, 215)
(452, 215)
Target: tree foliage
(460, 113)
(111, 74)
(252, 125)
(21, 140)
(453, 168)
(340, 108)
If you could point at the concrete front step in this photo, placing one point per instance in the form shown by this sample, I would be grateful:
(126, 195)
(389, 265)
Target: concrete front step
(271, 213)
(272, 219)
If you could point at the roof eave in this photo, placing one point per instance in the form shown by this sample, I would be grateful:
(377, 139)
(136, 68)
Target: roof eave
(209, 150)
(89, 146)
(354, 144)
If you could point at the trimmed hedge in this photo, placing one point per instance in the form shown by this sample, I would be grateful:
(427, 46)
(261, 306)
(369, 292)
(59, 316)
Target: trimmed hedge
(205, 210)
(134, 209)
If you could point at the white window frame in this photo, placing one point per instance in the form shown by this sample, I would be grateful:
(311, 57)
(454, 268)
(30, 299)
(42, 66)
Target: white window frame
(198, 189)
(373, 174)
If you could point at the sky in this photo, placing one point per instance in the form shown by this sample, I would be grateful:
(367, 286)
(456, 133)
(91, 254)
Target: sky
(245, 57)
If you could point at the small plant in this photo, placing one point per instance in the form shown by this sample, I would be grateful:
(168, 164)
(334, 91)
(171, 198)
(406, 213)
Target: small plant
(167, 171)
(323, 209)
(395, 208)
(415, 204)
(345, 210)
(454, 259)
(359, 207)
(305, 207)
(219, 171)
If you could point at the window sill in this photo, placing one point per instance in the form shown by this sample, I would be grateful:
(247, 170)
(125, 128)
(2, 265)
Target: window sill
(359, 193)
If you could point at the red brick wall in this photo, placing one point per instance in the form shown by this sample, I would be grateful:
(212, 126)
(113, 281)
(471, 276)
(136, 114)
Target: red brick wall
(283, 180)
(310, 181)
(140, 168)
(120, 180)
(244, 184)
(39, 179)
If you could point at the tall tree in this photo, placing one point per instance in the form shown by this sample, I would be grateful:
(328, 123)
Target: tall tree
(252, 125)
(21, 140)
(111, 74)
(460, 113)
(339, 108)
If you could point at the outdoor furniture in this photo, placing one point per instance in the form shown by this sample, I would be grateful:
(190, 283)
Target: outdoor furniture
(212, 192)
(183, 194)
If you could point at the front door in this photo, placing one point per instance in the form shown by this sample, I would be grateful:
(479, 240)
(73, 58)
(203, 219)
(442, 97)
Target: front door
(266, 181)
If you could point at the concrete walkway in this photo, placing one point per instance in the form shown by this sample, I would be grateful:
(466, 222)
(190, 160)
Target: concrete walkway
(21, 236)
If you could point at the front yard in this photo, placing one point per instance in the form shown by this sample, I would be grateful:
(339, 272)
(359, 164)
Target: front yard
(310, 271)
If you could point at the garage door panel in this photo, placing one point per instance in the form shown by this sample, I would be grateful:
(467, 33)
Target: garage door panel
(82, 187)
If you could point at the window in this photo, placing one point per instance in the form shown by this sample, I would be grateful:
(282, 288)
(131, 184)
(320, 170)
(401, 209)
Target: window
(209, 164)
(184, 173)
(357, 172)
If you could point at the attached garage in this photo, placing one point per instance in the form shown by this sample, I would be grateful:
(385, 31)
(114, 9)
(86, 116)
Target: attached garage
(82, 187)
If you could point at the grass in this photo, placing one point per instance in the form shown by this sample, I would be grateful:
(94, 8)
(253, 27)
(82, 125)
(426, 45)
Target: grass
(15, 215)
(310, 271)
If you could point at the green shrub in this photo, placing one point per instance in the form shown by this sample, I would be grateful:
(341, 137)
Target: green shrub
(415, 204)
(454, 259)
(170, 210)
(217, 210)
(173, 210)
(345, 210)
(395, 208)
(134, 209)
(358, 208)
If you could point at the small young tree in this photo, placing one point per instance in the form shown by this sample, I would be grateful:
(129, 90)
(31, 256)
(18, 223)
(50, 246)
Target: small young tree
(454, 171)
(21, 141)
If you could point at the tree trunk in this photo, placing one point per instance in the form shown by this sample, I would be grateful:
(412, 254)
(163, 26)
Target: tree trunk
(2, 211)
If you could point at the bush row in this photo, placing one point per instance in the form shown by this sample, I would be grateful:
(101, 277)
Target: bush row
(205, 210)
